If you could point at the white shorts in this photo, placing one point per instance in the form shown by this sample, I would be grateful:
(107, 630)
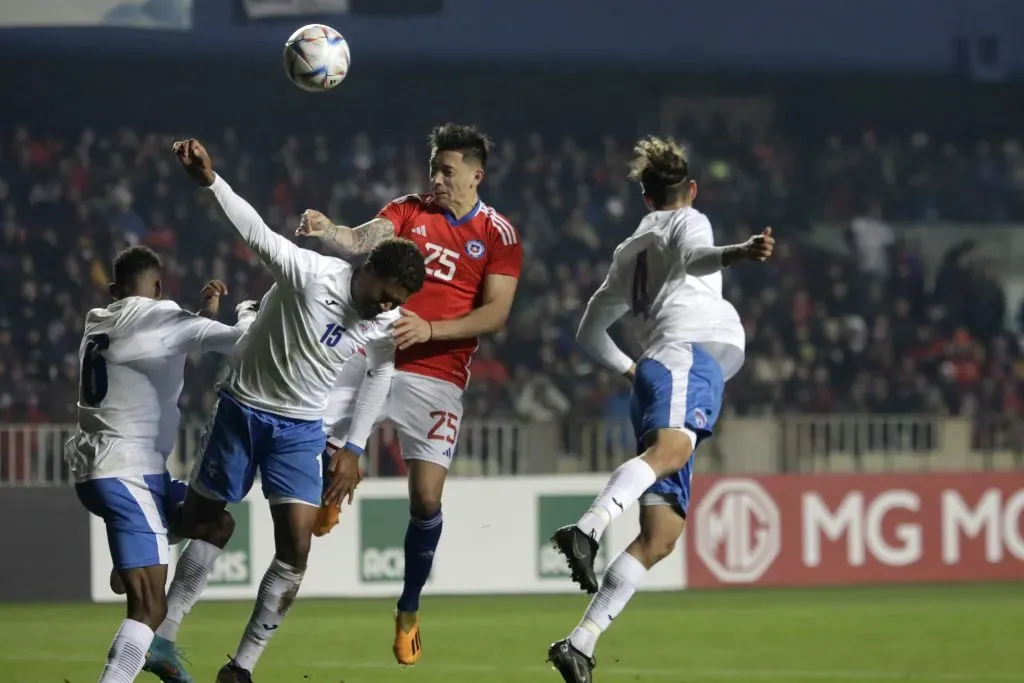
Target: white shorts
(425, 412)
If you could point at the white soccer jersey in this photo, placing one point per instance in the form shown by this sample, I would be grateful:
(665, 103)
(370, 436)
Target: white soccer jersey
(648, 280)
(306, 328)
(132, 358)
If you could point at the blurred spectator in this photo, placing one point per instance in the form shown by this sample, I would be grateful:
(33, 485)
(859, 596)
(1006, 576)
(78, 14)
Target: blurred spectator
(828, 332)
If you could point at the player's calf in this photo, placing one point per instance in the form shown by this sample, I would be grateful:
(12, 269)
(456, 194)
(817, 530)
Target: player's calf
(144, 590)
(661, 525)
(293, 532)
(210, 526)
(422, 535)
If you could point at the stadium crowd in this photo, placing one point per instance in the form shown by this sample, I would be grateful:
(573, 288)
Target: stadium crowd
(866, 330)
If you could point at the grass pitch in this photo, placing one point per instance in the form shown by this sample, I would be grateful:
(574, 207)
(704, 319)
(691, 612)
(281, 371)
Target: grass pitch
(972, 634)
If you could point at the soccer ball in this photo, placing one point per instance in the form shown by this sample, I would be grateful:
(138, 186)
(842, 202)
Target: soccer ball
(316, 58)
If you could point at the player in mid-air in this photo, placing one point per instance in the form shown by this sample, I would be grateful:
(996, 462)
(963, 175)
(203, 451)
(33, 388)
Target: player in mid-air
(666, 277)
(473, 259)
(132, 358)
(319, 312)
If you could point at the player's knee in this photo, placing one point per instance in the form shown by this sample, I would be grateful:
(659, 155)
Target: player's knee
(669, 453)
(206, 523)
(295, 553)
(424, 506)
(220, 529)
(652, 549)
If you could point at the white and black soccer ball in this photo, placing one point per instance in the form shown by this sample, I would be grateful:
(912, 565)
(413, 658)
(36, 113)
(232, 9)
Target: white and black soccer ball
(316, 58)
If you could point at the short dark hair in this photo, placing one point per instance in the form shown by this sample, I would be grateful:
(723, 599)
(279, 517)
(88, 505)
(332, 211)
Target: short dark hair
(453, 137)
(398, 259)
(133, 262)
(660, 165)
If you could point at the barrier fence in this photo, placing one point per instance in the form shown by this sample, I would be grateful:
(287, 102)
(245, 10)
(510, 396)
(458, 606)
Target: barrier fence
(32, 454)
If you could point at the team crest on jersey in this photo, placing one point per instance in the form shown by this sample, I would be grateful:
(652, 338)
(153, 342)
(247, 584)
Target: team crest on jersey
(365, 326)
(700, 420)
(475, 249)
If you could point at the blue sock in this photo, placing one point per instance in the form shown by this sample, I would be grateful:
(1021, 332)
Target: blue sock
(421, 538)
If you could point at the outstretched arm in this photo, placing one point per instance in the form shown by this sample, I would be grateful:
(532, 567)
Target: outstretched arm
(704, 259)
(289, 264)
(346, 241)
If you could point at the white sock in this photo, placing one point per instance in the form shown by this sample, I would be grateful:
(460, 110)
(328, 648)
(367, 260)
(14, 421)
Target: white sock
(194, 565)
(617, 587)
(277, 592)
(624, 488)
(127, 653)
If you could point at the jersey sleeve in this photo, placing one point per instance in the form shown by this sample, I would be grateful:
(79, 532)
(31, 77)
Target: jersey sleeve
(506, 251)
(373, 391)
(400, 212)
(608, 304)
(167, 330)
(288, 263)
(695, 240)
(184, 332)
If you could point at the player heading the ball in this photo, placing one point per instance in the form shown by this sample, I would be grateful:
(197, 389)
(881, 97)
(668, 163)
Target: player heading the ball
(319, 312)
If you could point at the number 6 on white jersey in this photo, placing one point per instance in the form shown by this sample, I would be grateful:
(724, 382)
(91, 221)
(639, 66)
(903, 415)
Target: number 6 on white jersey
(446, 258)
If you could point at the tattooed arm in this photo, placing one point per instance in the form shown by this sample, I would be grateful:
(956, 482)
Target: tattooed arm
(347, 241)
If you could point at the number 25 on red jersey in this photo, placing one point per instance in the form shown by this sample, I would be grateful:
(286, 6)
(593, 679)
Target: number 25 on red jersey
(440, 262)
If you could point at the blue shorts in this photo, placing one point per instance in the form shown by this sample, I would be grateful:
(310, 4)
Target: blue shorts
(686, 394)
(239, 441)
(135, 510)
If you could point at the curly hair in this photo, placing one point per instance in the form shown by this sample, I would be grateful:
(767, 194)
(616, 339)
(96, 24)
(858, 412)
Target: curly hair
(133, 262)
(400, 260)
(453, 137)
(660, 165)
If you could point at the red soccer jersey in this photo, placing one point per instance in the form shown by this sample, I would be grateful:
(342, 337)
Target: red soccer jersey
(459, 255)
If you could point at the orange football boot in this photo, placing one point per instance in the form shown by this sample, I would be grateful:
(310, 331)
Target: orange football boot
(327, 517)
(408, 647)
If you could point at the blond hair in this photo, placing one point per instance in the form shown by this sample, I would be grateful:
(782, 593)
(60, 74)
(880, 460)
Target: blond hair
(660, 166)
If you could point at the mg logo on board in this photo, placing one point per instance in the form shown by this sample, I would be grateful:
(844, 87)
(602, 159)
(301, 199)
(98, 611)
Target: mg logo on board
(738, 530)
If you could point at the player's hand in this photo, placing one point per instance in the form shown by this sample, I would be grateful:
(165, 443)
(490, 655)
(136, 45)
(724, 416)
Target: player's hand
(759, 247)
(344, 477)
(212, 292)
(313, 224)
(195, 160)
(410, 329)
(249, 305)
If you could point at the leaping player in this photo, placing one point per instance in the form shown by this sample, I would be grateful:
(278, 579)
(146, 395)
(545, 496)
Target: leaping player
(666, 277)
(132, 359)
(473, 259)
(267, 417)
